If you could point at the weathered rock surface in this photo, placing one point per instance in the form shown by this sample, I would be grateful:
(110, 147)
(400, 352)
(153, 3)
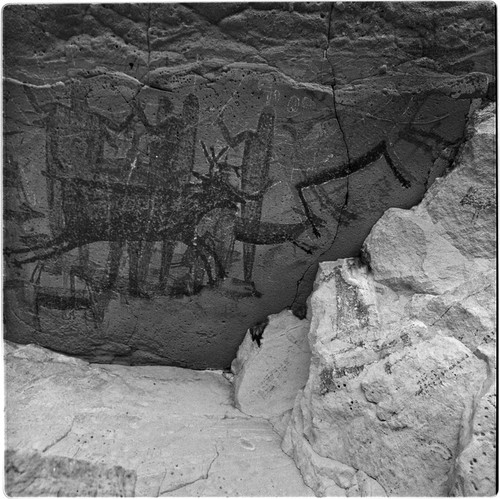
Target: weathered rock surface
(176, 429)
(476, 471)
(174, 172)
(31, 474)
(272, 365)
(402, 380)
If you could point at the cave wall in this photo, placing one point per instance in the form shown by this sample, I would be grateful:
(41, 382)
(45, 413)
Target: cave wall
(173, 173)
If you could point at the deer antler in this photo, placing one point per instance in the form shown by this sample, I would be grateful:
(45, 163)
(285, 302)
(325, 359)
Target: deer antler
(213, 160)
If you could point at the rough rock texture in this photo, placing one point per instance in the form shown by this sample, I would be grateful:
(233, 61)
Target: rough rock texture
(402, 384)
(476, 472)
(30, 474)
(272, 365)
(177, 429)
(174, 172)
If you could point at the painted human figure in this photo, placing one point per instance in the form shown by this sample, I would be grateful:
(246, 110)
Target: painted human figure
(254, 173)
(75, 140)
(180, 175)
(164, 157)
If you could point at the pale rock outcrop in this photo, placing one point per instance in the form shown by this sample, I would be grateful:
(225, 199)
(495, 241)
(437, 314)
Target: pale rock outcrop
(400, 398)
(175, 429)
(272, 367)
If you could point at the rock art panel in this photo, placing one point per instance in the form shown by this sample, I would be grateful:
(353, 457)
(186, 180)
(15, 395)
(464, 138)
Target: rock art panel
(398, 389)
(170, 181)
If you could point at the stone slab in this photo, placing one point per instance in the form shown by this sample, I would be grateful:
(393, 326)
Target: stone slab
(177, 429)
(272, 365)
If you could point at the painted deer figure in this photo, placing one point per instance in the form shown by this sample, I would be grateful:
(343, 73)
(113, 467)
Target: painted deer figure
(140, 213)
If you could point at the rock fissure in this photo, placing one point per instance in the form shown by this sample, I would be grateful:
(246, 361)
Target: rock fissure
(60, 439)
(342, 133)
(460, 300)
(204, 476)
(161, 483)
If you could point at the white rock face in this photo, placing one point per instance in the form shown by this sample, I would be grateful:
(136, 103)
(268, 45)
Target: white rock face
(268, 377)
(400, 399)
(176, 429)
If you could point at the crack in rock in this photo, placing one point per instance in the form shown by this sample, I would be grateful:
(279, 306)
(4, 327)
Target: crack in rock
(459, 301)
(60, 438)
(344, 140)
(204, 476)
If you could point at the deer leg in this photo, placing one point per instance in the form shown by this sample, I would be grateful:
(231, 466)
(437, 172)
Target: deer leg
(198, 276)
(309, 215)
(199, 264)
(133, 248)
(47, 245)
(303, 247)
(223, 238)
(84, 257)
(209, 248)
(114, 257)
(402, 180)
(248, 260)
(167, 252)
(199, 269)
(54, 251)
(144, 261)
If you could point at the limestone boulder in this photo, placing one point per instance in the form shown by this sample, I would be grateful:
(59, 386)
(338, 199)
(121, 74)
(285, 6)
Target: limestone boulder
(417, 258)
(448, 239)
(272, 365)
(402, 379)
(379, 403)
(465, 210)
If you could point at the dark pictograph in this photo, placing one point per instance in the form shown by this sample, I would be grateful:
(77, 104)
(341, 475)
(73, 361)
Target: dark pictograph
(374, 154)
(163, 155)
(254, 172)
(75, 139)
(152, 197)
(145, 214)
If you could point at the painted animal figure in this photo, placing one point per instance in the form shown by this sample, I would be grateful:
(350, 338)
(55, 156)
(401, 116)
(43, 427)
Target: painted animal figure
(142, 215)
(219, 228)
(374, 154)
